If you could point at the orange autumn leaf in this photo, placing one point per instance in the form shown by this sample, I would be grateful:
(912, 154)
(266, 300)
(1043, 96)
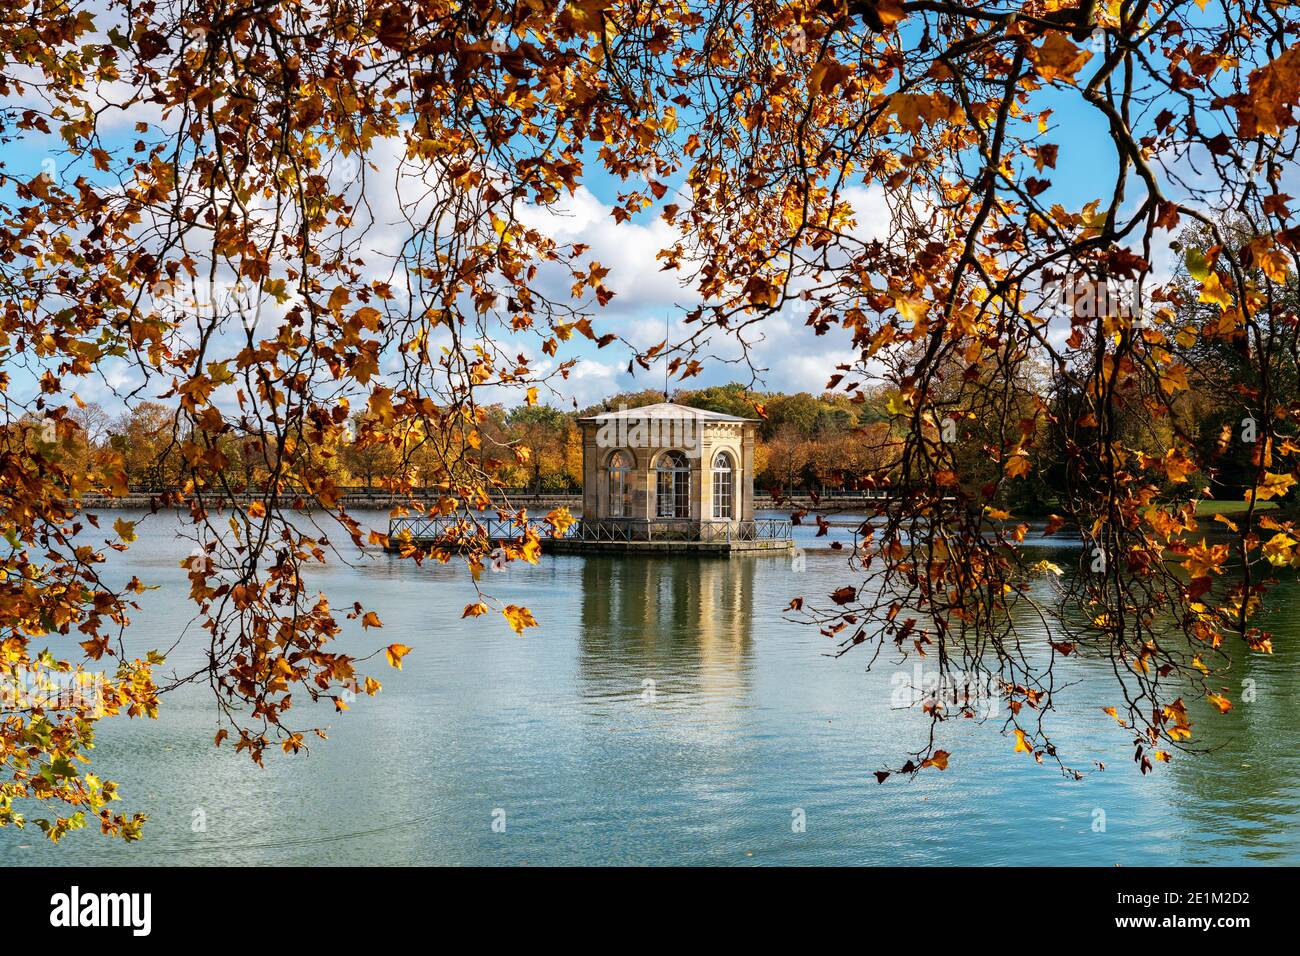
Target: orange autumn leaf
(395, 653)
(1177, 466)
(1177, 724)
(911, 308)
(518, 618)
(1058, 59)
(1174, 379)
(1274, 263)
(1274, 93)
(1225, 520)
(1222, 703)
(890, 12)
(1018, 466)
(938, 759)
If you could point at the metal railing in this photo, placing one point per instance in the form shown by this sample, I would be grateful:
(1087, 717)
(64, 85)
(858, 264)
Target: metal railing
(680, 529)
(462, 527)
(764, 529)
(465, 529)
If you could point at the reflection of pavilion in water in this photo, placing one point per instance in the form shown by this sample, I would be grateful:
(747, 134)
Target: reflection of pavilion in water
(684, 624)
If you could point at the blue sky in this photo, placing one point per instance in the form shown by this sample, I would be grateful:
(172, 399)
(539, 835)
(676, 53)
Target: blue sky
(793, 358)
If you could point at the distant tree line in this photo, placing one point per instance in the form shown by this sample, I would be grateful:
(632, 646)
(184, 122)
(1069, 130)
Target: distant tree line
(805, 441)
(827, 442)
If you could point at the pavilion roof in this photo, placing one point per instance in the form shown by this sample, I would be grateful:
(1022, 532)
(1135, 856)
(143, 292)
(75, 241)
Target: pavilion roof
(665, 410)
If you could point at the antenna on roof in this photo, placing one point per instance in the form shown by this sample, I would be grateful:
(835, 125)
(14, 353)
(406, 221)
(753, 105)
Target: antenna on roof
(666, 337)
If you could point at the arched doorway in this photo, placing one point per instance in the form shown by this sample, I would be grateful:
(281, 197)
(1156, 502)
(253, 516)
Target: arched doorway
(620, 485)
(673, 486)
(724, 486)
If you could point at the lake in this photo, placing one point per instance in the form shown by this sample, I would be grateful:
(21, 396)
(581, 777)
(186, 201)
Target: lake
(746, 728)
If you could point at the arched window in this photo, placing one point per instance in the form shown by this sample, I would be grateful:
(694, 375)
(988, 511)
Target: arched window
(620, 486)
(673, 486)
(724, 485)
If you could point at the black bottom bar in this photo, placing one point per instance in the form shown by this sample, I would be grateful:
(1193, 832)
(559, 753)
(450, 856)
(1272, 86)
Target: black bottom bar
(263, 906)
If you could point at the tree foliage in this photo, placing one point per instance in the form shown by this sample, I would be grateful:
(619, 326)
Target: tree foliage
(208, 215)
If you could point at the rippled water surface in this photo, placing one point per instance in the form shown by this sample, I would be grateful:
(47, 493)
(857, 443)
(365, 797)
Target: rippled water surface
(750, 722)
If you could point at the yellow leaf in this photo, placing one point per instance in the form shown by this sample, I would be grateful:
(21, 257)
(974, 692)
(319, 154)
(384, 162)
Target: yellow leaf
(1174, 379)
(1181, 728)
(1177, 466)
(125, 530)
(911, 308)
(1205, 559)
(371, 619)
(1022, 744)
(1277, 550)
(560, 520)
(1212, 290)
(1220, 702)
(395, 653)
(518, 617)
(1273, 486)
